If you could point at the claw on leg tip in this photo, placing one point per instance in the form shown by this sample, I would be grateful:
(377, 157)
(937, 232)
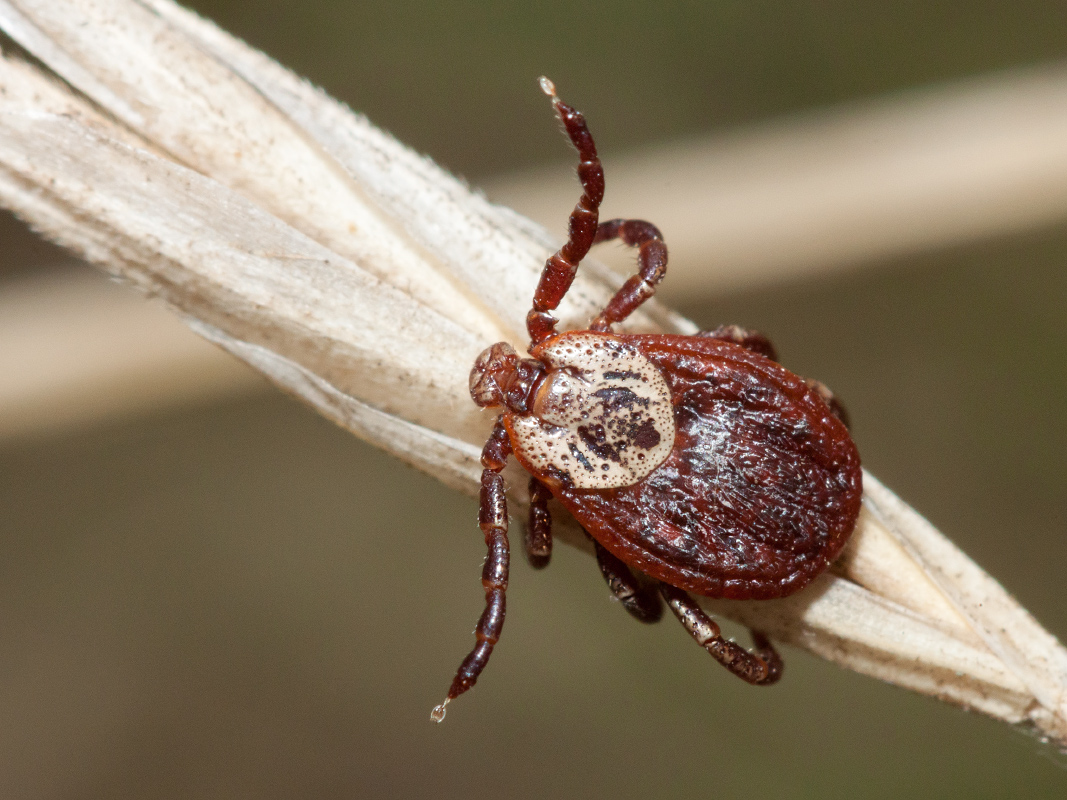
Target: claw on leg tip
(438, 713)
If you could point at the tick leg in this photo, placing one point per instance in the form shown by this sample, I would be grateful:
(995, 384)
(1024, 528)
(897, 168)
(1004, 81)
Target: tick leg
(641, 601)
(828, 397)
(750, 340)
(559, 270)
(761, 668)
(538, 539)
(758, 343)
(493, 520)
(651, 267)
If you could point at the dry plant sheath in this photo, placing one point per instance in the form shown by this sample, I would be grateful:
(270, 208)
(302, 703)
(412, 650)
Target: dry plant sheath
(360, 277)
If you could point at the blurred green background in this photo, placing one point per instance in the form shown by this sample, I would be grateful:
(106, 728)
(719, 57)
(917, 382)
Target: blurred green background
(244, 601)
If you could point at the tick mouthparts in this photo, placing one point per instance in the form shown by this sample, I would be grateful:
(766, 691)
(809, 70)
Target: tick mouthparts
(490, 373)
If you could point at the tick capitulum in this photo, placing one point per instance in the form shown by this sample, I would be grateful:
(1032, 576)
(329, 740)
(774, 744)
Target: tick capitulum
(694, 463)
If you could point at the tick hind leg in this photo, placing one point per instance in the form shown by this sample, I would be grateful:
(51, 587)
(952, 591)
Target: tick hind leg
(760, 668)
(642, 602)
(651, 267)
(493, 520)
(836, 406)
(750, 340)
(758, 343)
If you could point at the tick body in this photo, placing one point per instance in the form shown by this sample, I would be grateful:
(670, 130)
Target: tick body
(695, 463)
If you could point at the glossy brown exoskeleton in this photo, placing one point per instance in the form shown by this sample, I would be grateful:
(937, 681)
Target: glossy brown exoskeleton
(697, 461)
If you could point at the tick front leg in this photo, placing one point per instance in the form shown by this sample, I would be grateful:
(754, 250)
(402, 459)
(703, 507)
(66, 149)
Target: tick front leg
(641, 601)
(559, 270)
(493, 520)
(538, 538)
(651, 267)
(761, 668)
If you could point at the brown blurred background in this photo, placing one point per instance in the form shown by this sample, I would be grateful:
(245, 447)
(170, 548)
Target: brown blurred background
(235, 599)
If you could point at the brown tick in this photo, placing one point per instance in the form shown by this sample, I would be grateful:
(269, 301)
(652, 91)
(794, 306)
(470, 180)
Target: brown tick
(697, 461)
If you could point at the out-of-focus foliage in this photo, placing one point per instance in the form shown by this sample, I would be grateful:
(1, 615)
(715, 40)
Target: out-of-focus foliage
(643, 71)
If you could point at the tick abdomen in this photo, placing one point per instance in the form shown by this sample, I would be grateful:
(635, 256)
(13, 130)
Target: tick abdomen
(759, 493)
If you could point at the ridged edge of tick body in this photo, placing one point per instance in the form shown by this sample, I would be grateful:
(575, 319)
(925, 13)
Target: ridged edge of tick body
(760, 493)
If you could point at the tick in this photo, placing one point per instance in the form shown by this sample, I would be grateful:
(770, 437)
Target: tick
(696, 464)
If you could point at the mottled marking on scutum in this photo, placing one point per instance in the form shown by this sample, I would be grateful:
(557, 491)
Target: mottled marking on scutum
(602, 419)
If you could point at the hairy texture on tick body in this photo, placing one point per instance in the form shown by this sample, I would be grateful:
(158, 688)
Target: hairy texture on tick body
(760, 492)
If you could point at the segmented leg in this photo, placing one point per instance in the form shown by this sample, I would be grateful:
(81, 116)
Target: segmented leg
(559, 270)
(651, 267)
(836, 406)
(493, 520)
(758, 343)
(641, 601)
(538, 538)
(761, 668)
(750, 340)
